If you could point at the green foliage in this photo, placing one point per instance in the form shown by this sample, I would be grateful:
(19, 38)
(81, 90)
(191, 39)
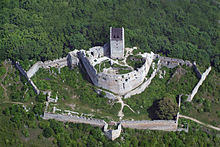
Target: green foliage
(1, 92)
(135, 61)
(183, 29)
(166, 109)
(25, 133)
(41, 97)
(38, 109)
(2, 71)
(47, 132)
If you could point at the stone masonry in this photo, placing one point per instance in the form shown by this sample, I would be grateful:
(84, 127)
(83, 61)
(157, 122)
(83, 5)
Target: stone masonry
(195, 90)
(117, 43)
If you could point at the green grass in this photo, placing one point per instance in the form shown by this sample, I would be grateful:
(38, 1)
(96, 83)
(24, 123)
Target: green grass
(205, 105)
(75, 93)
(158, 89)
(102, 65)
(136, 63)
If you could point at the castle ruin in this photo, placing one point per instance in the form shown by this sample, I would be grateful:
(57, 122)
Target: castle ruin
(107, 68)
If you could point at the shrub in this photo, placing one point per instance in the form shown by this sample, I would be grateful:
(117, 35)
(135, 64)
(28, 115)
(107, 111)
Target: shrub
(47, 132)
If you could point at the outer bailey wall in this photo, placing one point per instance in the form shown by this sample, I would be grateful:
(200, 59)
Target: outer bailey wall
(55, 63)
(74, 119)
(62, 62)
(165, 125)
(34, 69)
(196, 88)
(23, 72)
(88, 67)
(173, 62)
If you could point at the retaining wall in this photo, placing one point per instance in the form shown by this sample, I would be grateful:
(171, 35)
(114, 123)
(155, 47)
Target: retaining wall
(74, 119)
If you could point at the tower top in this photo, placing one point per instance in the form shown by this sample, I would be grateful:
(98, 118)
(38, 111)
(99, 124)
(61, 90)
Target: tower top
(116, 34)
(116, 43)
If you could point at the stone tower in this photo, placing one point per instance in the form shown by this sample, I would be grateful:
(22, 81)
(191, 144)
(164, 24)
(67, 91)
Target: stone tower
(116, 43)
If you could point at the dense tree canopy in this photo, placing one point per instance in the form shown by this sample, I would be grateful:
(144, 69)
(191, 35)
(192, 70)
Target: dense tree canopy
(42, 30)
(166, 108)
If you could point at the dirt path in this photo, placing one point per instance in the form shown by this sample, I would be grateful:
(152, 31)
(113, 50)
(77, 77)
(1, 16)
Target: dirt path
(3, 78)
(120, 113)
(8, 102)
(199, 122)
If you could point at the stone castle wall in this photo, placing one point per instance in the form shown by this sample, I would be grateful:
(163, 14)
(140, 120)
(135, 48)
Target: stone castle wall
(74, 119)
(24, 73)
(143, 86)
(69, 60)
(196, 70)
(34, 69)
(116, 46)
(196, 88)
(173, 62)
(119, 84)
(88, 67)
(165, 125)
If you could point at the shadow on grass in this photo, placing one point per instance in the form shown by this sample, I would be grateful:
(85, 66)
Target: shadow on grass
(151, 111)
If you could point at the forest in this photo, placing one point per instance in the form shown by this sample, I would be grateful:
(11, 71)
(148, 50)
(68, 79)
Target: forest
(47, 29)
(33, 30)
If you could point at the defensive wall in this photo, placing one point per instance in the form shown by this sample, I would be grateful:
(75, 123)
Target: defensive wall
(24, 73)
(143, 86)
(165, 125)
(69, 60)
(196, 88)
(112, 134)
(88, 67)
(173, 62)
(196, 70)
(74, 119)
(119, 84)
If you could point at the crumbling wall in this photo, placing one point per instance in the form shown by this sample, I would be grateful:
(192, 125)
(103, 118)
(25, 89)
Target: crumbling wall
(34, 69)
(143, 86)
(74, 119)
(88, 67)
(164, 125)
(195, 90)
(96, 52)
(72, 59)
(23, 72)
(112, 134)
(119, 84)
(122, 84)
(173, 62)
(196, 70)
(61, 62)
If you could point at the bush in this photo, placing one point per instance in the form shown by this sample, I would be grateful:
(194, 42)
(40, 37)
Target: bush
(166, 109)
(47, 132)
